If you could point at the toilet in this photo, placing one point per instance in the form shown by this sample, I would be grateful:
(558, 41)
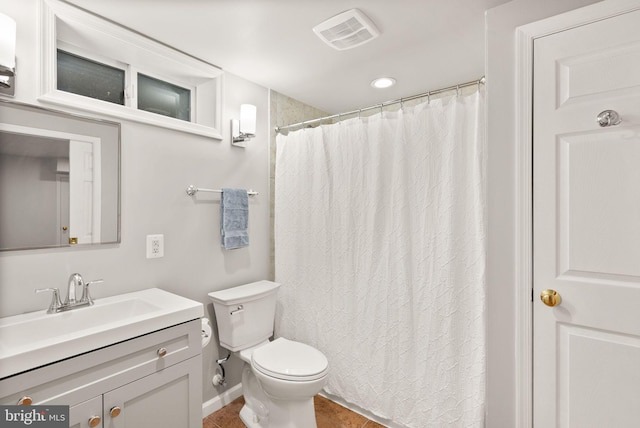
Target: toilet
(279, 377)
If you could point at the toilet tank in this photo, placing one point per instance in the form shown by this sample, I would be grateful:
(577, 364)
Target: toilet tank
(245, 314)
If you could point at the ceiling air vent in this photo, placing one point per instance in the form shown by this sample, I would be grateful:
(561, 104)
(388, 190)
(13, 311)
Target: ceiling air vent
(347, 30)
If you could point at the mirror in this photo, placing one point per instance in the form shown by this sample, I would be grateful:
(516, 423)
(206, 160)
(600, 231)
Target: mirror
(59, 179)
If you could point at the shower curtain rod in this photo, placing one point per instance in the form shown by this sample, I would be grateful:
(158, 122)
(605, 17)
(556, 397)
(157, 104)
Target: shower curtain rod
(387, 103)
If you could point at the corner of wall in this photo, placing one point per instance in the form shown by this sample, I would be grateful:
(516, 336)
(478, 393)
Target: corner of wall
(284, 110)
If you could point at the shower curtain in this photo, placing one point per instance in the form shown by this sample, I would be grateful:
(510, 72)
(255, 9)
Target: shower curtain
(380, 250)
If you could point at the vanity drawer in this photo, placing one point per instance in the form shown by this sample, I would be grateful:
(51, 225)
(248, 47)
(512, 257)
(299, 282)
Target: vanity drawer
(71, 381)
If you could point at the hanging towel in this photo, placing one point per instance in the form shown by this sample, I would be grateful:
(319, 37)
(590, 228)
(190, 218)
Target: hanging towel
(234, 218)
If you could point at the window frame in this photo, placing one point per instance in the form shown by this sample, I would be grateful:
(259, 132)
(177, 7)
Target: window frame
(135, 73)
(80, 53)
(81, 33)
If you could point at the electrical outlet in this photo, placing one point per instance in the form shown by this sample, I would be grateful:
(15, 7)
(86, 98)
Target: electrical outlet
(155, 246)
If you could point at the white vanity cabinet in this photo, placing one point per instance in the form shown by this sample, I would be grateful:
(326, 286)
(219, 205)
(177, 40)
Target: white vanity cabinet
(87, 414)
(154, 380)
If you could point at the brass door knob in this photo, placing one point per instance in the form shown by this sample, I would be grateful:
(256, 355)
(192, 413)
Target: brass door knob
(115, 411)
(94, 421)
(550, 298)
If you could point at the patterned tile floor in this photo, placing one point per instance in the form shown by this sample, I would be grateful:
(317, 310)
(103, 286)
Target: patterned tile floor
(328, 415)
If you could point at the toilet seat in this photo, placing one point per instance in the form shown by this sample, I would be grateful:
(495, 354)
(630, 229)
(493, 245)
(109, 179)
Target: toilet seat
(288, 360)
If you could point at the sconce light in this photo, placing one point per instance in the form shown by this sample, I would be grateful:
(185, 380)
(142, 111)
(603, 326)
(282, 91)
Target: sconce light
(245, 128)
(7, 55)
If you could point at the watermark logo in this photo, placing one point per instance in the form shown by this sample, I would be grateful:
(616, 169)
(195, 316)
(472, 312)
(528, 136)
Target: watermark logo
(34, 416)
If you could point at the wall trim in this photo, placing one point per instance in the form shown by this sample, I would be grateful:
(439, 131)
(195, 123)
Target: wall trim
(525, 37)
(219, 401)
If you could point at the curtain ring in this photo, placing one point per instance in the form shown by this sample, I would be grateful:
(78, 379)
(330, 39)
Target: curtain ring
(402, 104)
(457, 90)
(359, 112)
(381, 105)
(429, 97)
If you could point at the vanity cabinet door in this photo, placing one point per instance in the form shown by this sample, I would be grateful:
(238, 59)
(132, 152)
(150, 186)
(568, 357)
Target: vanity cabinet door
(169, 398)
(87, 414)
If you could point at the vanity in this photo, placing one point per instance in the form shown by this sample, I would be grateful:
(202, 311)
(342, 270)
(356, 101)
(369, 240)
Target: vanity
(132, 360)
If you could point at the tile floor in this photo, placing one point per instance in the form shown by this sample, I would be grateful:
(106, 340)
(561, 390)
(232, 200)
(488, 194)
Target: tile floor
(328, 415)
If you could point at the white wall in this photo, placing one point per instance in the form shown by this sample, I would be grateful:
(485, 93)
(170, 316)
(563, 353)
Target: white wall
(501, 23)
(157, 166)
(17, 228)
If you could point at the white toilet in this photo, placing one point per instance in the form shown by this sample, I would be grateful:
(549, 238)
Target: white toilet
(279, 378)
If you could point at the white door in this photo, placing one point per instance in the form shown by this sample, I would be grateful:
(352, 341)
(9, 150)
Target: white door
(82, 192)
(586, 210)
(63, 209)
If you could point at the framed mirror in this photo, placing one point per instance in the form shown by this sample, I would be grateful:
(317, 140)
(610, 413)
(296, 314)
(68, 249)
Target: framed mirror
(59, 179)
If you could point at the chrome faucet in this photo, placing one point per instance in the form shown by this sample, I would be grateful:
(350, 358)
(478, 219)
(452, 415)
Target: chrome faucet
(75, 281)
(71, 302)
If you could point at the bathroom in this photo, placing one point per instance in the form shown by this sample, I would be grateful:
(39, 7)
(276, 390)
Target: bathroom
(158, 163)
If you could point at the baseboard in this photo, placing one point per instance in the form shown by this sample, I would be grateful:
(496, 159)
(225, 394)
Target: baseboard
(217, 403)
(361, 411)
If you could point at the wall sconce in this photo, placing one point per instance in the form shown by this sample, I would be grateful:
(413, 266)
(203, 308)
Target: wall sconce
(7, 55)
(245, 128)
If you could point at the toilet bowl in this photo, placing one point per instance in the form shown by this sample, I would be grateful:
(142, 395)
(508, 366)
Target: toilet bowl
(289, 370)
(280, 377)
(279, 382)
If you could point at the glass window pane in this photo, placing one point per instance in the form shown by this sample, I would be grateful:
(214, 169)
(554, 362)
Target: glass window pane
(89, 78)
(160, 97)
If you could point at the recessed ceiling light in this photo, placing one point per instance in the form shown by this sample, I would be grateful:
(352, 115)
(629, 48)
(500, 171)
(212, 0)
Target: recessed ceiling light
(383, 82)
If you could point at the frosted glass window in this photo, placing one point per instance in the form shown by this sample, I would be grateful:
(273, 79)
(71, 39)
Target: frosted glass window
(89, 78)
(158, 96)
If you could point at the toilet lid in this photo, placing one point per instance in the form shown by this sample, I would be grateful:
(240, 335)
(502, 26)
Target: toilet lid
(289, 360)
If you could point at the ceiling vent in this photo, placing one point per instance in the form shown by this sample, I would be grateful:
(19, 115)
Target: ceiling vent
(347, 30)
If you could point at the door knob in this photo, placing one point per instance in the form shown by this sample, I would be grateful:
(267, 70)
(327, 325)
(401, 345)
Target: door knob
(94, 421)
(550, 298)
(608, 118)
(115, 412)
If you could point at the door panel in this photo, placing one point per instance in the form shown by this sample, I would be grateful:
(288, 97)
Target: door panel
(586, 221)
(86, 414)
(168, 398)
(597, 210)
(594, 382)
(613, 70)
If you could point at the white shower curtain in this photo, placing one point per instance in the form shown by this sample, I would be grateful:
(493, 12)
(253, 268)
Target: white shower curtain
(380, 250)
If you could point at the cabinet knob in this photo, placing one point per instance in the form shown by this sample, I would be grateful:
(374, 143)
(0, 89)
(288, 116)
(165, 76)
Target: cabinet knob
(115, 411)
(162, 352)
(94, 421)
(25, 401)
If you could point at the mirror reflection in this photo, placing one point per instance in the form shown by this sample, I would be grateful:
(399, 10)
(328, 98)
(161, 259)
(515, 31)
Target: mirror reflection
(59, 179)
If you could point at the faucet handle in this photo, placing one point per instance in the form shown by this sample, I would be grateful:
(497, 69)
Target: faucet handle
(86, 295)
(55, 299)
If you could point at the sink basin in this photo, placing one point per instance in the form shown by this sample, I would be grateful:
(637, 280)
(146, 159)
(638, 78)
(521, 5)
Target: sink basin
(35, 339)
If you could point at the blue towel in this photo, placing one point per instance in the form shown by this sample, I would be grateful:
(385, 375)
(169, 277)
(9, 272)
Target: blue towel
(234, 218)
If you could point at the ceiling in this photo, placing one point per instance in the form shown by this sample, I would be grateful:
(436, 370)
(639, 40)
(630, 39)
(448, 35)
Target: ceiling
(424, 44)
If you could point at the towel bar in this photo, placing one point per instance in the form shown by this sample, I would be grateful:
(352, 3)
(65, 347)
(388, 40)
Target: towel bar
(192, 190)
